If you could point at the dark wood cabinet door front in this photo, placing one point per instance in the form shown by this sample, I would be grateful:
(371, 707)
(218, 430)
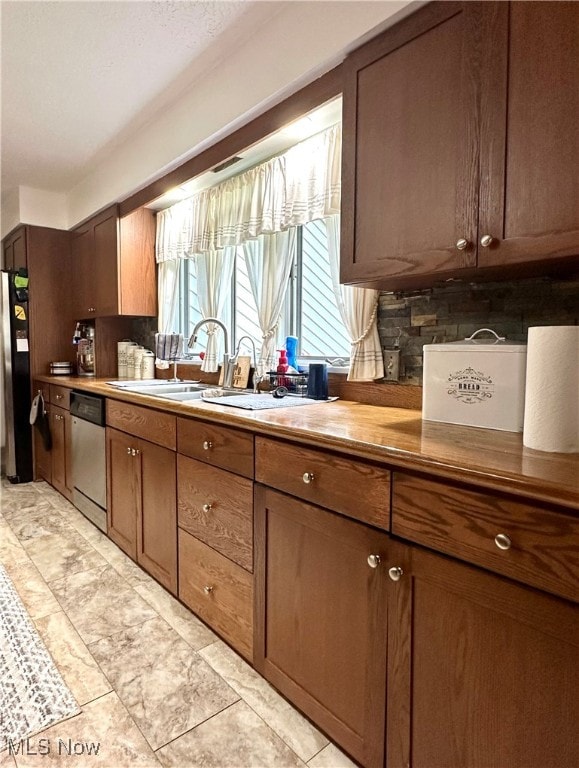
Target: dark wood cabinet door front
(123, 490)
(530, 152)
(321, 618)
(58, 434)
(157, 521)
(410, 153)
(488, 668)
(105, 272)
(82, 271)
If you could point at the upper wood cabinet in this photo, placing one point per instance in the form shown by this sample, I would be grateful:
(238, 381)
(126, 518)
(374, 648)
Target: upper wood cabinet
(14, 248)
(114, 265)
(460, 147)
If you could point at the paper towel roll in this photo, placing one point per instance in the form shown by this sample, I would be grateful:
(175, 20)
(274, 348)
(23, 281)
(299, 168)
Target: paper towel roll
(552, 389)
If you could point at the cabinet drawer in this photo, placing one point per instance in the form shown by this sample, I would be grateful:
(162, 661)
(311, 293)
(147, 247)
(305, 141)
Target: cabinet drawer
(223, 447)
(528, 543)
(40, 386)
(157, 427)
(355, 488)
(218, 591)
(60, 396)
(216, 507)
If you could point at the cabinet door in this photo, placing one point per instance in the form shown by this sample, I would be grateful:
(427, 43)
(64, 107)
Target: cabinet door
(123, 490)
(410, 151)
(58, 433)
(157, 521)
(82, 274)
(321, 618)
(105, 273)
(42, 457)
(530, 151)
(481, 671)
(19, 252)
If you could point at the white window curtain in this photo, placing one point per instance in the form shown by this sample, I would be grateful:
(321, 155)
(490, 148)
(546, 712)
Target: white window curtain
(168, 294)
(214, 270)
(269, 261)
(359, 309)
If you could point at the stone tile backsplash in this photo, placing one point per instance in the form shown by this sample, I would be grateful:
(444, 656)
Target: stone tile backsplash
(449, 312)
(453, 311)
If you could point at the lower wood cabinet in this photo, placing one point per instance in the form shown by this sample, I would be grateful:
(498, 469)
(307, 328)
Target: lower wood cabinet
(321, 618)
(142, 504)
(61, 459)
(481, 671)
(218, 590)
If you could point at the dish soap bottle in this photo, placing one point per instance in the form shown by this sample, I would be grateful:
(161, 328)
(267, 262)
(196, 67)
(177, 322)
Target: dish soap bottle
(282, 366)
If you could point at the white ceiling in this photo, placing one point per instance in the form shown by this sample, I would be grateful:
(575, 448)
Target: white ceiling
(79, 77)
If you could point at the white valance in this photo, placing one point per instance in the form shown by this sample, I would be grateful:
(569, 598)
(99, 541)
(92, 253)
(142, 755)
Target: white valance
(299, 186)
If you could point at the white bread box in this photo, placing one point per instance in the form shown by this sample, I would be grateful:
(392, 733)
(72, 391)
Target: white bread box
(479, 382)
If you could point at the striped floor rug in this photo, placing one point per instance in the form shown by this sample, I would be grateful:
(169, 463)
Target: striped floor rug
(33, 695)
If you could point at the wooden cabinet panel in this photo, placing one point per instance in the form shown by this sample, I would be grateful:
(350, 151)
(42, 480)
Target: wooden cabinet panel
(216, 507)
(325, 479)
(157, 518)
(42, 388)
(154, 426)
(123, 491)
(321, 618)
(410, 154)
(533, 196)
(223, 447)
(60, 450)
(42, 457)
(543, 545)
(115, 265)
(142, 504)
(15, 250)
(459, 150)
(218, 591)
(482, 672)
(82, 270)
(60, 396)
(104, 287)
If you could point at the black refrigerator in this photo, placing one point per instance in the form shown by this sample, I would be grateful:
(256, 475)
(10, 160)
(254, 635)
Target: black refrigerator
(17, 396)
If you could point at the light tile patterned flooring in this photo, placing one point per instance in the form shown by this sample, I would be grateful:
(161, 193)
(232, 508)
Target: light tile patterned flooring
(155, 685)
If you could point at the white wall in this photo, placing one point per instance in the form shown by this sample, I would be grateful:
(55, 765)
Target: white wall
(10, 212)
(45, 209)
(296, 46)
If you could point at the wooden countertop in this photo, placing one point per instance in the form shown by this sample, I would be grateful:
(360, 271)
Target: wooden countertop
(396, 436)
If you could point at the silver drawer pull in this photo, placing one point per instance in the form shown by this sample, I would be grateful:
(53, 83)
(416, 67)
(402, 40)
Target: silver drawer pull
(207, 445)
(462, 244)
(308, 477)
(207, 589)
(59, 397)
(373, 561)
(503, 541)
(129, 451)
(395, 573)
(207, 507)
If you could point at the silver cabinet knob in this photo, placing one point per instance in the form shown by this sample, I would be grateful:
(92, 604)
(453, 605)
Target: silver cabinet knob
(373, 561)
(59, 397)
(308, 477)
(486, 240)
(503, 541)
(462, 244)
(395, 573)
(207, 507)
(207, 445)
(207, 589)
(129, 451)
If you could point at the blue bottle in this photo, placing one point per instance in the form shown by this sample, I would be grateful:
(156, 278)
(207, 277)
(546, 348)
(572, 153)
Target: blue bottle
(291, 346)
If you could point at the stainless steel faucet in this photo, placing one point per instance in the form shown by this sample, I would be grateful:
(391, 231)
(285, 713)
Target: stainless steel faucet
(228, 363)
(257, 378)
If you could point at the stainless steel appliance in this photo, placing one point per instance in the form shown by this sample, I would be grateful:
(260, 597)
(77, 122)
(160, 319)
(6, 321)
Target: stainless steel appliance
(89, 494)
(17, 398)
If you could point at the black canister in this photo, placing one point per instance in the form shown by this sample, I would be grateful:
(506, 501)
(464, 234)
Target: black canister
(318, 381)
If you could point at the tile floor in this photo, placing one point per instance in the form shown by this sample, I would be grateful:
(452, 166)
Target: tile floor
(155, 685)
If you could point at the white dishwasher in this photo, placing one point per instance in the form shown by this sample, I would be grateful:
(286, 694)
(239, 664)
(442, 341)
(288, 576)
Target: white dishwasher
(89, 494)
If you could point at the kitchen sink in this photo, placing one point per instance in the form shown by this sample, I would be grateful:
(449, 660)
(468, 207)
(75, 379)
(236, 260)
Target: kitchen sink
(198, 395)
(160, 390)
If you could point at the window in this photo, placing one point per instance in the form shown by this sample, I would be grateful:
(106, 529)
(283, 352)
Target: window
(310, 311)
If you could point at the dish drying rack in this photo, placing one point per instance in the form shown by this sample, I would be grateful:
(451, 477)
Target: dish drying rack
(295, 383)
